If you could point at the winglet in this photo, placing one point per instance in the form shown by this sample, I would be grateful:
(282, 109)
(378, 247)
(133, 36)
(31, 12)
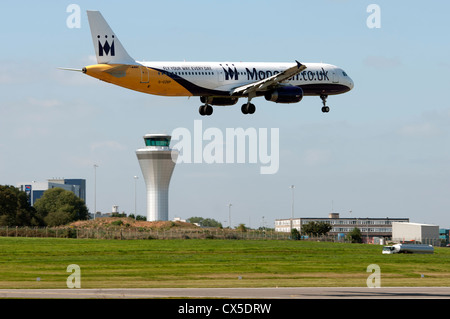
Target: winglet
(299, 65)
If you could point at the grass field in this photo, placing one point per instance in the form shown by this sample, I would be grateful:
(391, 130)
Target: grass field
(210, 263)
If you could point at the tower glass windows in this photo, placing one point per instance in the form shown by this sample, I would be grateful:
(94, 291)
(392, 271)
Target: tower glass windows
(157, 141)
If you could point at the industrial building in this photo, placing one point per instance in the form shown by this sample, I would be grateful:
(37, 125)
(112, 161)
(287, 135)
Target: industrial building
(414, 232)
(444, 236)
(35, 189)
(371, 228)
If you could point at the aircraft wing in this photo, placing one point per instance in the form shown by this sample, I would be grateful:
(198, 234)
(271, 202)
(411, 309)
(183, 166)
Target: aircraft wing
(264, 84)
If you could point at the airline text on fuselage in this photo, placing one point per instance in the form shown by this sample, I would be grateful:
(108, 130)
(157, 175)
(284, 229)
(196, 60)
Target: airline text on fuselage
(232, 74)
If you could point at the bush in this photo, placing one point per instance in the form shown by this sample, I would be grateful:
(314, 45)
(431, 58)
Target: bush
(117, 222)
(295, 234)
(355, 236)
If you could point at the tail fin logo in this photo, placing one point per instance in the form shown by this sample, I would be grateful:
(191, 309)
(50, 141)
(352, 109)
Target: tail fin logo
(106, 48)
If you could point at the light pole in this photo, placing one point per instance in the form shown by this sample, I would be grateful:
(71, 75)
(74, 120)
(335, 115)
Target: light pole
(95, 189)
(135, 179)
(229, 214)
(292, 208)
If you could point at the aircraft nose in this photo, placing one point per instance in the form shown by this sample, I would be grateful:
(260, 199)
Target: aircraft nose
(350, 83)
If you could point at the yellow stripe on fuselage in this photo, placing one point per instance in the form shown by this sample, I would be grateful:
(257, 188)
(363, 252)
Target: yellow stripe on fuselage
(138, 78)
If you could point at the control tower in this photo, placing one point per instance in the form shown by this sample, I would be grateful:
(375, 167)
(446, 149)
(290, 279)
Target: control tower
(157, 162)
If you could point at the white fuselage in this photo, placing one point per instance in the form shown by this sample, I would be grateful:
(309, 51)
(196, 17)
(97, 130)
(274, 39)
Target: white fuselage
(205, 78)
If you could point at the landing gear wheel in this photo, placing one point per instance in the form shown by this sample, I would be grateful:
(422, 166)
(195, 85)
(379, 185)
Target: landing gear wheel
(325, 108)
(248, 108)
(201, 110)
(251, 108)
(208, 109)
(205, 109)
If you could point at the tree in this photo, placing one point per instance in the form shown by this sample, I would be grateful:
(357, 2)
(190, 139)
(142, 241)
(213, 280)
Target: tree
(119, 215)
(242, 228)
(316, 228)
(204, 222)
(355, 235)
(15, 209)
(295, 234)
(57, 218)
(58, 207)
(138, 217)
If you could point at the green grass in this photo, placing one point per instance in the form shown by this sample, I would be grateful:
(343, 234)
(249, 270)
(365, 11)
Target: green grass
(210, 263)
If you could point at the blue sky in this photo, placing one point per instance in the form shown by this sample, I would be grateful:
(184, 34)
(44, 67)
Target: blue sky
(383, 150)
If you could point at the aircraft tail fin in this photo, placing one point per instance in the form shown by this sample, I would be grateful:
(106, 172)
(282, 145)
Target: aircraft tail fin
(108, 48)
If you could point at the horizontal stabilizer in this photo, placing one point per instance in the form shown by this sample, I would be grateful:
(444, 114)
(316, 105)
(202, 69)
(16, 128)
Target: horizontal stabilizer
(118, 71)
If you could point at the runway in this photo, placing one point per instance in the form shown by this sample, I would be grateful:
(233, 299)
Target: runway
(234, 293)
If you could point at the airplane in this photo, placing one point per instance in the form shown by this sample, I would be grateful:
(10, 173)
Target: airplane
(216, 83)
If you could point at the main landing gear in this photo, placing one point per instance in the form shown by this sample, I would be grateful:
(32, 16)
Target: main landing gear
(205, 109)
(325, 108)
(248, 108)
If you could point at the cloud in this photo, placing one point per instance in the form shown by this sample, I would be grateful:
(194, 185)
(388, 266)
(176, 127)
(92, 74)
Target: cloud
(46, 103)
(107, 145)
(316, 157)
(419, 130)
(381, 62)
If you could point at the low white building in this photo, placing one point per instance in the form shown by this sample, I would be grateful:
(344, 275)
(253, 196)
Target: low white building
(423, 233)
(371, 228)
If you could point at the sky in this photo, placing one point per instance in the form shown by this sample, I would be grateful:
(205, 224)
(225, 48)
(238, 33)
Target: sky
(381, 151)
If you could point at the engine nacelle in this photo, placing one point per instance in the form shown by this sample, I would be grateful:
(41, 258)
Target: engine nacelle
(218, 100)
(285, 94)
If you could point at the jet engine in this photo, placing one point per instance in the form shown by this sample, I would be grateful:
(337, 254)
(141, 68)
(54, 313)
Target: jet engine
(285, 94)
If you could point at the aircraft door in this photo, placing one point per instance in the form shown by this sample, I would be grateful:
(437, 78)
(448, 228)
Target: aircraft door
(221, 75)
(145, 76)
(334, 76)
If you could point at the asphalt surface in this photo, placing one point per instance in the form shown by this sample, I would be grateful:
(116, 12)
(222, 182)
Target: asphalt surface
(234, 293)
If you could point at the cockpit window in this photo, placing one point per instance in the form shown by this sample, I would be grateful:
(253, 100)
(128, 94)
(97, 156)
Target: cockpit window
(345, 74)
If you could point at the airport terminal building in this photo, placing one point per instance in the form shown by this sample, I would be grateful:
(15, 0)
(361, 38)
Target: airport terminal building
(370, 228)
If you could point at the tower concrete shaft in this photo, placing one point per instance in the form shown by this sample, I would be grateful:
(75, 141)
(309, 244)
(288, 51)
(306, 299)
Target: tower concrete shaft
(157, 162)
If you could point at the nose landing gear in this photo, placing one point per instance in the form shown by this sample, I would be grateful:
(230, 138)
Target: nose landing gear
(325, 108)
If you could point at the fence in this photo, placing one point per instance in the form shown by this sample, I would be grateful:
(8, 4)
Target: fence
(136, 233)
(173, 233)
